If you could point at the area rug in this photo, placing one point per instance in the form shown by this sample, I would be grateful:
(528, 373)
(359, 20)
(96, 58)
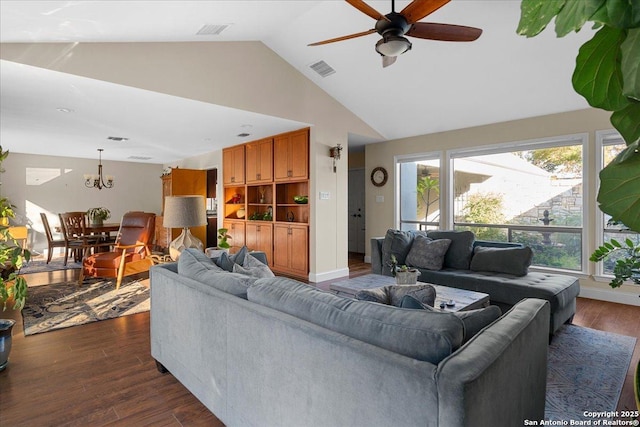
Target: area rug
(39, 266)
(586, 372)
(62, 305)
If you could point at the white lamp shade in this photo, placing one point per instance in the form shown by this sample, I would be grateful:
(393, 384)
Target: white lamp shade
(184, 211)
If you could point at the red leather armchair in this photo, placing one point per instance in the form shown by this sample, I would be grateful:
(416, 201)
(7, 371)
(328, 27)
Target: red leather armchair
(131, 253)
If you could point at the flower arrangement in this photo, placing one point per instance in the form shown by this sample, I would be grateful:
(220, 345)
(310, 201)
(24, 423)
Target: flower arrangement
(99, 214)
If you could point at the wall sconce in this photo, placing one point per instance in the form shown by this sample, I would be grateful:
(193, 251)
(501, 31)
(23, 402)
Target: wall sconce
(334, 153)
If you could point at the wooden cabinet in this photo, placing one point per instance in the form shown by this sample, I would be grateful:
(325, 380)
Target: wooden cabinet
(184, 182)
(259, 237)
(291, 248)
(236, 231)
(233, 165)
(291, 156)
(259, 161)
(259, 199)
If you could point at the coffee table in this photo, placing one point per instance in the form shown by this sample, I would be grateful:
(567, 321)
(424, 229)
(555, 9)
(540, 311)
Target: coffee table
(463, 299)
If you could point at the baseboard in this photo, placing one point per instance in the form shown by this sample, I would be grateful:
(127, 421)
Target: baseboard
(611, 295)
(328, 275)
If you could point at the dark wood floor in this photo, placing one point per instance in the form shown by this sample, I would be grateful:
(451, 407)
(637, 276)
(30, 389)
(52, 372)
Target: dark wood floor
(102, 373)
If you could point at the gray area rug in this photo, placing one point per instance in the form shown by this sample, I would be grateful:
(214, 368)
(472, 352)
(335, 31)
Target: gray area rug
(586, 372)
(39, 266)
(63, 305)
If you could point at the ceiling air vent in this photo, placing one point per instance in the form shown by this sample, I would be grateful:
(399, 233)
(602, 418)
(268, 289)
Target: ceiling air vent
(139, 158)
(322, 68)
(212, 29)
(118, 138)
(243, 135)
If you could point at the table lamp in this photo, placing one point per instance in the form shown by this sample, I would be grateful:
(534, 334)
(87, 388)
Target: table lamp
(184, 212)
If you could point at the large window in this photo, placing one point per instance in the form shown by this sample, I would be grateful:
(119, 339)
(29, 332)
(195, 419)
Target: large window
(610, 144)
(531, 193)
(419, 207)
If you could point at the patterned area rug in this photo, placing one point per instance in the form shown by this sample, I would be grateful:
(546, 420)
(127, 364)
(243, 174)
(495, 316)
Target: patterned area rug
(586, 372)
(39, 266)
(62, 305)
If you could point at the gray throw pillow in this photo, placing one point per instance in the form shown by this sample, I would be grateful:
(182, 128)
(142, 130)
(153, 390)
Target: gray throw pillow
(394, 294)
(474, 320)
(427, 253)
(461, 249)
(398, 243)
(253, 267)
(226, 261)
(514, 261)
(191, 258)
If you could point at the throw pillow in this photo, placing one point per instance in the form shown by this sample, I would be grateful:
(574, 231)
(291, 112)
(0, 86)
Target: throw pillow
(427, 253)
(191, 259)
(474, 320)
(253, 267)
(461, 249)
(514, 261)
(226, 261)
(398, 243)
(393, 294)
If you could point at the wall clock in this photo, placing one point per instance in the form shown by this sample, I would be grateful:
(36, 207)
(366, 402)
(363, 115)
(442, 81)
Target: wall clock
(379, 176)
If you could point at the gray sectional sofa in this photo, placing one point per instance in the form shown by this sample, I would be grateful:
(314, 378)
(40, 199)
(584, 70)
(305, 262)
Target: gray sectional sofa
(276, 352)
(495, 268)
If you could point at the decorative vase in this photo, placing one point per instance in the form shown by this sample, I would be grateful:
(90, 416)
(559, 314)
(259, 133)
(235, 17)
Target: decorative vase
(240, 213)
(97, 221)
(407, 277)
(6, 327)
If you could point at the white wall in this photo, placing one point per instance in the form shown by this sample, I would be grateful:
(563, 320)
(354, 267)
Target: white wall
(53, 184)
(583, 121)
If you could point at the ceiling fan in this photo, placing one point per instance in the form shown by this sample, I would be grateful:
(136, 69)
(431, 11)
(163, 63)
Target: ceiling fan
(394, 26)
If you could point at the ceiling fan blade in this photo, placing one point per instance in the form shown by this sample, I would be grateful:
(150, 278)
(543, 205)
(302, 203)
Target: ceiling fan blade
(388, 60)
(338, 39)
(444, 32)
(418, 9)
(366, 9)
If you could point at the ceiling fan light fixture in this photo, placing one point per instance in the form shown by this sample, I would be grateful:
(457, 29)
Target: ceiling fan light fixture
(392, 45)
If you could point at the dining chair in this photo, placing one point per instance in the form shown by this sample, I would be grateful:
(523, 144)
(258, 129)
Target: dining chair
(73, 225)
(131, 253)
(52, 242)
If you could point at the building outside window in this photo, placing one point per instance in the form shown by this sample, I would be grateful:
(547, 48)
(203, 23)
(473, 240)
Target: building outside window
(419, 201)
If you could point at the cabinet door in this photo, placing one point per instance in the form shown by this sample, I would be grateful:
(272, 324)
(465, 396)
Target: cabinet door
(237, 234)
(291, 156)
(299, 250)
(291, 249)
(259, 238)
(281, 158)
(259, 155)
(299, 155)
(233, 165)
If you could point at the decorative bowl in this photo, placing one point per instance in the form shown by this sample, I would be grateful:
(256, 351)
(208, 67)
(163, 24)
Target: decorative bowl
(301, 200)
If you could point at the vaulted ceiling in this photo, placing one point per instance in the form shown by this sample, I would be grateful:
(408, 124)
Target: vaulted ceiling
(436, 86)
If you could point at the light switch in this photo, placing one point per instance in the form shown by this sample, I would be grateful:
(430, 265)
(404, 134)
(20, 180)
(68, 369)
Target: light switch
(379, 199)
(325, 195)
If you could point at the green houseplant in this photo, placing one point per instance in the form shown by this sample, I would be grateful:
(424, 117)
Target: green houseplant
(607, 75)
(222, 238)
(98, 215)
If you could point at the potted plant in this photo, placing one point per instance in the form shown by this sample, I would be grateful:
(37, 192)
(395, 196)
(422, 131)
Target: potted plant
(6, 210)
(222, 239)
(12, 286)
(98, 215)
(404, 275)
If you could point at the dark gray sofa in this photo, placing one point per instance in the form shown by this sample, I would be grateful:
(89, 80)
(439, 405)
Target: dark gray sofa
(504, 289)
(288, 354)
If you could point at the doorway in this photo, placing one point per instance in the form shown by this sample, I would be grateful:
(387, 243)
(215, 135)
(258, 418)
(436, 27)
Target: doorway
(356, 241)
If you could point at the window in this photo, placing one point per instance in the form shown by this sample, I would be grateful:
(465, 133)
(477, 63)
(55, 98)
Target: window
(609, 145)
(529, 193)
(419, 201)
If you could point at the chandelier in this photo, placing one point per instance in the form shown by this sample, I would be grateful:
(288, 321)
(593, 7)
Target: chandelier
(97, 181)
